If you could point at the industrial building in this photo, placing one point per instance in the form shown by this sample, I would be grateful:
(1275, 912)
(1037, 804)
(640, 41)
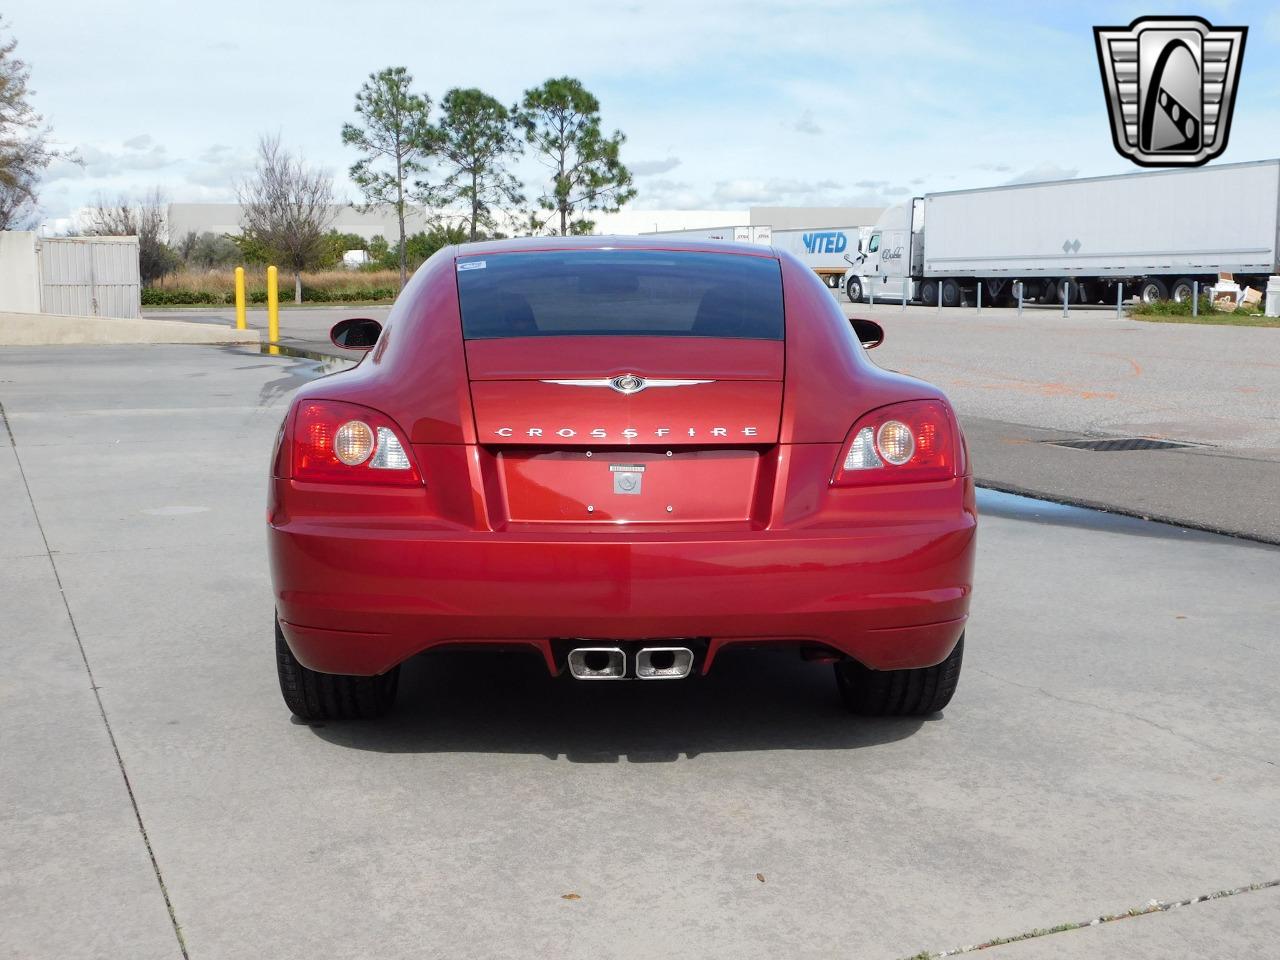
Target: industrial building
(220, 218)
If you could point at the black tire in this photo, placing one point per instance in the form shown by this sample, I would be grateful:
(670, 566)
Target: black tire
(952, 295)
(1048, 292)
(315, 696)
(1152, 289)
(899, 693)
(853, 290)
(1066, 291)
(929, 293)
(1182, 290)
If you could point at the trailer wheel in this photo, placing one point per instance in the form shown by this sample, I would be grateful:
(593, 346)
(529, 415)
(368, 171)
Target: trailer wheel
(1183, 290)
(929, 292)
(853, 290)
(1067, 291)
(1048, 292)
(1152, 289)
(952, 295)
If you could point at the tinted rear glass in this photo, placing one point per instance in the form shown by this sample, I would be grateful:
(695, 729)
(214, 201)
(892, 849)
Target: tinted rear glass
(620, 293)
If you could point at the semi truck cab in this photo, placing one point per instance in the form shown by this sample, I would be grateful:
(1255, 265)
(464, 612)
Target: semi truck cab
(882, 269)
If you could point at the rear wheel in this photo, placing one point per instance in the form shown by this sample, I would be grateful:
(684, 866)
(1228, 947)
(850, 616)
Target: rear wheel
(1152, 289)
(929, 293)
(329, 696)
(899, 693)
(853, 290)
(1183, 290)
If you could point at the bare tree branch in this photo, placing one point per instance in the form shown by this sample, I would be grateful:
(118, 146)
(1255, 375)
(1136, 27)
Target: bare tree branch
(145, 220)
(287, 207)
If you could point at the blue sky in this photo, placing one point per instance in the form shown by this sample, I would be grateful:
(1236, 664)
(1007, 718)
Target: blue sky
(724, 104)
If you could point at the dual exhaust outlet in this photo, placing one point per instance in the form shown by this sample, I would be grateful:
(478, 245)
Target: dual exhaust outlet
(610, 663)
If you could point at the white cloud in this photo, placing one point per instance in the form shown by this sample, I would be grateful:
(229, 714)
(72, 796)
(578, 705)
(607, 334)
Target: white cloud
(773, 192)
(1044, 171)
(805, 123)
(648, 168)
(671, 195)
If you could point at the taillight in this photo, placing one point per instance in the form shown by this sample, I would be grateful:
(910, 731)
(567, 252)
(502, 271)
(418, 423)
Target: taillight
(902, 443)
(344, 443)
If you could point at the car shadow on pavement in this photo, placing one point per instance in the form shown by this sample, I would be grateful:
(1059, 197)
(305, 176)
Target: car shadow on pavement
(477, 702)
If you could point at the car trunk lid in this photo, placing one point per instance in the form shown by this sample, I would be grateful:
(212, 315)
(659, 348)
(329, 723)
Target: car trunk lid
(635, 429)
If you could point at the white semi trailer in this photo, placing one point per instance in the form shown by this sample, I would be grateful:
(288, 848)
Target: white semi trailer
(823, 250)
(1152, 233)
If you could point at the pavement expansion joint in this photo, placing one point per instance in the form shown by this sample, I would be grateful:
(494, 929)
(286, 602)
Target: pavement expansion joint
(97, 692)
(1152, 906)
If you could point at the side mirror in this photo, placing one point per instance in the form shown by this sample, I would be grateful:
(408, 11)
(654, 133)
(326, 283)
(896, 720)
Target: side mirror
(357, 333)
(870, 334)
(849, 260)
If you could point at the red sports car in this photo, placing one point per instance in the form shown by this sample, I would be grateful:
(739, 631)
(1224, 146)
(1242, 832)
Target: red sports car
(626, 455)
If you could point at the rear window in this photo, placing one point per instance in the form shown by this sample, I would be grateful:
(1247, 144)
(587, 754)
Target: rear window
(617, 293)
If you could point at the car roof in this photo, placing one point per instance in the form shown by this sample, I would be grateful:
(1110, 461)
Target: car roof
(541, 244)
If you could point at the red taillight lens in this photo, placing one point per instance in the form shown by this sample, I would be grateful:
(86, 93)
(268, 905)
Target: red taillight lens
(902, 443)
(345, 443)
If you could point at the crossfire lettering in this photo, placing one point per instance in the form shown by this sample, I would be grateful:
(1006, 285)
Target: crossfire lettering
(628, 433)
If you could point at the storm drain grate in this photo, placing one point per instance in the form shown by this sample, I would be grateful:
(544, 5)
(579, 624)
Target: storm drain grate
(1120, 443)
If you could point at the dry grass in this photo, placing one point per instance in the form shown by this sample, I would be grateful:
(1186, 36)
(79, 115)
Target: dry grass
(198, 287)
(224, 282)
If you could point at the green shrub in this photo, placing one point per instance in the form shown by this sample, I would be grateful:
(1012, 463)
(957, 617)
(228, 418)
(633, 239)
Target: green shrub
(1172, 308)
(158, 296)
(341, 295)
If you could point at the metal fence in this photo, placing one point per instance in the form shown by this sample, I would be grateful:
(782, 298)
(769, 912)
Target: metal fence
(90, 276)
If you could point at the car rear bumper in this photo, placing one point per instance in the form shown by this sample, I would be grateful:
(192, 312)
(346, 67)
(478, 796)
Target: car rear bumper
(360, 599)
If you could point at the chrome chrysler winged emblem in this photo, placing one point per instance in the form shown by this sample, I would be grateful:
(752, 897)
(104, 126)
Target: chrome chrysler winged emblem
(627, 383)
(1170, 84)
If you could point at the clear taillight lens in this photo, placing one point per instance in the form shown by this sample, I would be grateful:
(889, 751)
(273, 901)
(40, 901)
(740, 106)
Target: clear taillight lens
(896, 442)
(901, 443)
(390, 455)
(353, 442)
(862, 451)
(337, 442)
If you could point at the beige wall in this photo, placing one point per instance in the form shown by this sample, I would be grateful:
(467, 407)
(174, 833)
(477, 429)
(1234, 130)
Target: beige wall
(19, 272)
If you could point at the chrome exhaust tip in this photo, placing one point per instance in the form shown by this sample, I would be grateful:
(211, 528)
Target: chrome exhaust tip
(597, 663)
(664, 663)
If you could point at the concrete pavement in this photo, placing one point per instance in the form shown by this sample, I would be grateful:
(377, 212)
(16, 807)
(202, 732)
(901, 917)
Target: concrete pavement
(1113, 740)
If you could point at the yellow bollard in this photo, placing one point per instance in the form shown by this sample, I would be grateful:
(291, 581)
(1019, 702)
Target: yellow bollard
(240, 324)
(273, 311)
